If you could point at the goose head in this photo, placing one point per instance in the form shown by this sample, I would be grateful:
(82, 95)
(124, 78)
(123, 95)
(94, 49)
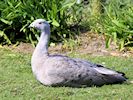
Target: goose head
(40, 24)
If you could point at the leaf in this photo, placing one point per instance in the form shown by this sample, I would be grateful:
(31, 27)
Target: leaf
(2, 34)
(108, 41)
(31, 40)
(10, 4)
(55, 23)
(119, 24)
(26, 25)
(114, 37)
(6, 21)
(68, 4)
(121, 47)
(18, 5)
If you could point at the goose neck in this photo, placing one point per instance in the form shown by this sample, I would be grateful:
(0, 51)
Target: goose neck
(42, 46)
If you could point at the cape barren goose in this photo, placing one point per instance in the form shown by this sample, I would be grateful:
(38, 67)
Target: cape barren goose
(58, 70)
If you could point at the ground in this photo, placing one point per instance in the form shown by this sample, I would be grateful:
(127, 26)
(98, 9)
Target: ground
(17, 81)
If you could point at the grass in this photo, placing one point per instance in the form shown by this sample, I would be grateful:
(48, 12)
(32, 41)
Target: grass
(18, 83)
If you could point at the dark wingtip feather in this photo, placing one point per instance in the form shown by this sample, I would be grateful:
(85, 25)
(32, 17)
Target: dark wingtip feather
(122, 74)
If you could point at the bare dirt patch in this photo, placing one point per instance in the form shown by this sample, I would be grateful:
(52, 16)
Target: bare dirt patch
(90, 43)
(94, 44)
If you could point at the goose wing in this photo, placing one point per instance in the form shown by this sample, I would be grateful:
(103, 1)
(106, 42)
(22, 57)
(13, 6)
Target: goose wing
(67, 71)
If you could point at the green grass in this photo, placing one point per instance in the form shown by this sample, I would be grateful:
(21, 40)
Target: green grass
(18, 83)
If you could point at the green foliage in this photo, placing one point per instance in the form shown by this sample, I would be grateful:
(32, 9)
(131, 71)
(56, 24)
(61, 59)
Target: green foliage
(111, 17)
(117, 22)
(71, 44)
(17, 81)
(16, 15)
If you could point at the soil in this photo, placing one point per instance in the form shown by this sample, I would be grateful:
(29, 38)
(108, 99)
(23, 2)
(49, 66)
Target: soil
(94, 44)
(90, 43)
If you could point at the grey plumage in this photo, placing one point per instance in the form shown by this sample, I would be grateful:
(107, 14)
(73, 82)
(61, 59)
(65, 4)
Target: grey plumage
(58, 70)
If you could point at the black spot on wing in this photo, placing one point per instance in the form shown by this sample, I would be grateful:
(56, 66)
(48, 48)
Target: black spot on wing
(99, 65)
(79, 76)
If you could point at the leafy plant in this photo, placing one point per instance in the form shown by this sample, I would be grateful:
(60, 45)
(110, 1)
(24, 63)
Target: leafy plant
(16, 15)
(116, 22)
(71, 44)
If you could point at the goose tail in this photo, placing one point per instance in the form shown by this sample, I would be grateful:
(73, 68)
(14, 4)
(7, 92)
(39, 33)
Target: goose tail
(118, 78)
(110, 76)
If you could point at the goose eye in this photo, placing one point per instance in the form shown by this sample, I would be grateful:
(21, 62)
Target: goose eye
(40, 22)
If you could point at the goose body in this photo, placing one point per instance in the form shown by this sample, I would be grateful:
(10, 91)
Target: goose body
(58, 70)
